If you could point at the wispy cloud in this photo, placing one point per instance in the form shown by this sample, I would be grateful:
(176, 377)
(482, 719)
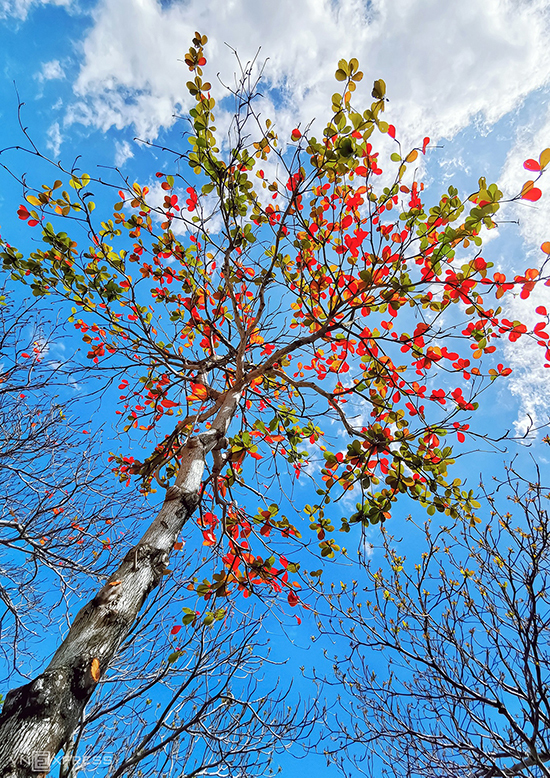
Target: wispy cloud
(19, 9)
(50, 71)
(55, 139)
(123, 152)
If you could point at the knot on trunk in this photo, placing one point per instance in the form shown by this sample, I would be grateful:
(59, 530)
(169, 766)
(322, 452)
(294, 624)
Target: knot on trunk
(173, 493)
(159, 562)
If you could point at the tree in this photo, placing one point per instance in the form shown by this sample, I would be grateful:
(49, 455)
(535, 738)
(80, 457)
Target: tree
(56, 502)
(312, 293)
(59, 529)
(464, 633)
(205, 709)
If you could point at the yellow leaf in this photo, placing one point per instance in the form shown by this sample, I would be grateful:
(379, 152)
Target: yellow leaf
(528, 185)
(544, 158)
(94, 670)
(33, 200)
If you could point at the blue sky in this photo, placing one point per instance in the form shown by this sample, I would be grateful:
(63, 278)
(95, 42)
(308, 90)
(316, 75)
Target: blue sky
(474, 76)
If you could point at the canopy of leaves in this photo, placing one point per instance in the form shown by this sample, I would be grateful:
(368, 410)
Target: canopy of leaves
(351, 318)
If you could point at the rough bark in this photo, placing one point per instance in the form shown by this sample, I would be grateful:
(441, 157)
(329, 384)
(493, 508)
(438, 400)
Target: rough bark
(39, 718)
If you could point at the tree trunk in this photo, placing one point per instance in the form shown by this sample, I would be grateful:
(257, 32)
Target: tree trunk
(39, 718)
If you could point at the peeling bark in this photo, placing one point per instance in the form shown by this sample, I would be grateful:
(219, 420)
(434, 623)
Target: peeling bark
(39, 718)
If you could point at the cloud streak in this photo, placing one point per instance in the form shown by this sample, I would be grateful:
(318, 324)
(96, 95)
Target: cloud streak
(20, 9)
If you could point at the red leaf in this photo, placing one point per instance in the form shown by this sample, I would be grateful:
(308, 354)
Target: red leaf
(541, 310)
(425, 144)
(166, 403)
(532, 194)
(175, 630)
(391, 131)
(531, 164)
(293, 599)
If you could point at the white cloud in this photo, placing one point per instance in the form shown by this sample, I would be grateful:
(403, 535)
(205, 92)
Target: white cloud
(183, 223)
(532, 137)
(50, 71)
(444, 63)
(530, 381)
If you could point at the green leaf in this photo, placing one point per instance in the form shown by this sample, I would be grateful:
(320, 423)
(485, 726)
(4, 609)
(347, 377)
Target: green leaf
(379, 89)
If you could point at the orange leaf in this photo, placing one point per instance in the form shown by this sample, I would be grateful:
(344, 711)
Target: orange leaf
(528, 185)
(94, 670)
(544, 158)
(546, 247)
